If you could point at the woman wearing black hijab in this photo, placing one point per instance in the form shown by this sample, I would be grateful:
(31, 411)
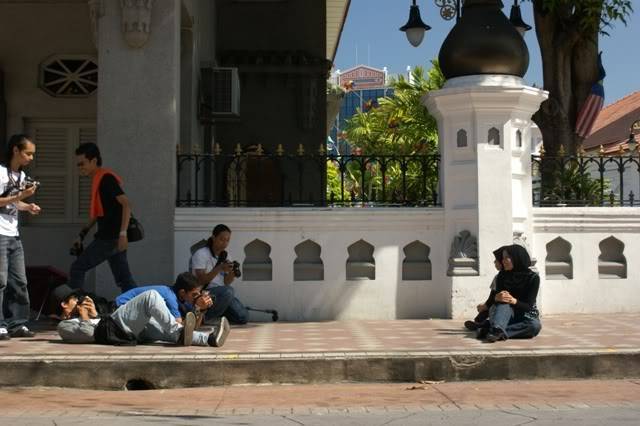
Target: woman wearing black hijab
(514, 313)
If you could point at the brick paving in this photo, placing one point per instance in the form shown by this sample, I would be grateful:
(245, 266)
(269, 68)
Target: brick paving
(562, 334)
(543, 395)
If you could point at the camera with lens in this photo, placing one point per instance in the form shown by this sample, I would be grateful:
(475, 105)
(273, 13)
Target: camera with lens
(81, 298)
(76, 249)
(29, 182)
(236, 269)
(223, 258)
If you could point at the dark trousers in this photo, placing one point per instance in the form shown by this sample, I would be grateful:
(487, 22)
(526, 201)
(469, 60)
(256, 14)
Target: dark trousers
(227, 305)
(96, 253)
(14, 296)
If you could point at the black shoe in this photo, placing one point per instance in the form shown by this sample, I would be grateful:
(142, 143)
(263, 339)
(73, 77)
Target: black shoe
(219, 333)
(471, 325)
(4, 334)
(21, 331)
(495, 336)
(482, 332)
(189, 324)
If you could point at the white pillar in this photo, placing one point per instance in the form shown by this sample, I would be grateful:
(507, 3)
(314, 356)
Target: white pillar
(485, 187)
(138, 125)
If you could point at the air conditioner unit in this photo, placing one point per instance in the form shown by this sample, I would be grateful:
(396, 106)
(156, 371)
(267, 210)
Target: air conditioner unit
(220, 93)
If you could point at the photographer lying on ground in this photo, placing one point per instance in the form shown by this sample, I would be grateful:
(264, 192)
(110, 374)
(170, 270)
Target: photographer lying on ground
(213, 270)
(152, 313)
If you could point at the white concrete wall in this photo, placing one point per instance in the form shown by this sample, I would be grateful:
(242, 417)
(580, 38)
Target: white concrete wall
(584, 228)
(388, 230)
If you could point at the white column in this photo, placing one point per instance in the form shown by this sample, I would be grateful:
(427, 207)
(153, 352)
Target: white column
(138, 125)
(485, 187)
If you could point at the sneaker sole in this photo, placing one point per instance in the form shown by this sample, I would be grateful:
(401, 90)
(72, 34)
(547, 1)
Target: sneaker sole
(223, 332)
(189, 327)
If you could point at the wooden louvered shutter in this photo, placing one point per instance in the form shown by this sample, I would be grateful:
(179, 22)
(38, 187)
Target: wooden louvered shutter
(51, 168)
(81, 208)
(63, 195)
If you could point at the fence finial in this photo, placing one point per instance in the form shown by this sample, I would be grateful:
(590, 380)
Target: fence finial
(259, 150)
(601, 150)
(279, 150)
(300, 149)
(238, 149)
(582, 152)
(217, 150)
(562, 151)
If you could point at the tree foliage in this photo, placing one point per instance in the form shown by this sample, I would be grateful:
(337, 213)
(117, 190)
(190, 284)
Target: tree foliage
(398, 125)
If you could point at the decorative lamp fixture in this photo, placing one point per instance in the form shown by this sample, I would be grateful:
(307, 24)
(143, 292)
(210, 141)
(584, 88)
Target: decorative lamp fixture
(483, 41)
(631, 143)
(415, 28)
(515, 17)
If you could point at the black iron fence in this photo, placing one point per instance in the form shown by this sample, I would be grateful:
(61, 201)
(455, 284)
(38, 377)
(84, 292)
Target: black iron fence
(258, 179)
(586, 180)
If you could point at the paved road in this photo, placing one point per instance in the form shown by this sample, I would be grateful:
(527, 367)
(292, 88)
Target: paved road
(543, 402)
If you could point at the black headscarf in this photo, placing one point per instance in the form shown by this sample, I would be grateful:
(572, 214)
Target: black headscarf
(520, 275)
(498, 253)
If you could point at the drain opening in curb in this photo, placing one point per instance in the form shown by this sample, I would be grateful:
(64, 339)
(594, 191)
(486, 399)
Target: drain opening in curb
(138, 384)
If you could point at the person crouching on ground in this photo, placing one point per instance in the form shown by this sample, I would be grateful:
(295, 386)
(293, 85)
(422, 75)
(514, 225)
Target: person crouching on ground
(514, 313)
(209, 265)
(481, 319)
(151, 314)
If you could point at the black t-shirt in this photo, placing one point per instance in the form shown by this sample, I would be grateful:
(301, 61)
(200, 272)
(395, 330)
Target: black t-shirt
(109, 224)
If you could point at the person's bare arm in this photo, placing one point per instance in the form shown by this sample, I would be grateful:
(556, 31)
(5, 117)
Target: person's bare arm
(124, 223)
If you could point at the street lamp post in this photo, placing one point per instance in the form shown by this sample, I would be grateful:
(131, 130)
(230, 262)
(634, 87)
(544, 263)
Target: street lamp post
(415, 28)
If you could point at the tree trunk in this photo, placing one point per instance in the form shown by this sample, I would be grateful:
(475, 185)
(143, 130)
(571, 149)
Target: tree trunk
(570, 67)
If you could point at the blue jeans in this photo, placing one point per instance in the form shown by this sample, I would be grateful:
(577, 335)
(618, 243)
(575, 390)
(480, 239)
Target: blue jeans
(96, 253)
(14, 297)
(226, 305)
(147, 317)
(503, 318)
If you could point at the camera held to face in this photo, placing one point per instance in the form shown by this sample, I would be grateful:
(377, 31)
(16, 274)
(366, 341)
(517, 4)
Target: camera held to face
(29, 182)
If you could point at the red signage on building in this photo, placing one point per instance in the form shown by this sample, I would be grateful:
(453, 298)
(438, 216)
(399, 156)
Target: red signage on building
(363, 78)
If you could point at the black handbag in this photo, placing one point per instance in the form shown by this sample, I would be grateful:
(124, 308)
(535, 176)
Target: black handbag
(135, 231)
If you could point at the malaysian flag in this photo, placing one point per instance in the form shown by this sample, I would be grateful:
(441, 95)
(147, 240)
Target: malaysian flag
(592, 105)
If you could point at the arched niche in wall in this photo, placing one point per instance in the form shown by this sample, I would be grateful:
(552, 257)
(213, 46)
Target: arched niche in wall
(361, 264)
(416, 264)
(461, 138)
(558, 263)
(493, 137)
(612, 262)
(519, 138)
(257, 263)
(308, 264)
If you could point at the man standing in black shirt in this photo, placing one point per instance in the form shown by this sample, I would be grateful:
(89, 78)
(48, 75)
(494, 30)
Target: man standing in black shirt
(110, 210)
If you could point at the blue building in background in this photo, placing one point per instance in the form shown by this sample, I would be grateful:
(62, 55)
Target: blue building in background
(364, 85)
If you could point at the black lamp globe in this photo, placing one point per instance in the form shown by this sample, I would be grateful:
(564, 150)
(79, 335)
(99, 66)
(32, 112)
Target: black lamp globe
(415, 28)
(483, 42)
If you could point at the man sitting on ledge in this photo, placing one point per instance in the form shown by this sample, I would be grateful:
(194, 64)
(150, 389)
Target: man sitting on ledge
(149, 315)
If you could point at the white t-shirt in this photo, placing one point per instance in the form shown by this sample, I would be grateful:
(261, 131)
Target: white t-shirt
(9, 213)
(204, 259)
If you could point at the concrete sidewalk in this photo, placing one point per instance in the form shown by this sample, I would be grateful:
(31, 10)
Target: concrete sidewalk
(570, 346)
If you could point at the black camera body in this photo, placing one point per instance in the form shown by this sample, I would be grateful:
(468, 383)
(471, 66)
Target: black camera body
(223, 258)
(76, 250)
(28, 182)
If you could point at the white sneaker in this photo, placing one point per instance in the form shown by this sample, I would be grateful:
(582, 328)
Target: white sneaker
(4, 334)
(189, 323)
(219, 333)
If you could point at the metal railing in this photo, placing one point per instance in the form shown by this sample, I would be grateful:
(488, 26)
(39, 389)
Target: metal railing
(586, 180)
(259, 179)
